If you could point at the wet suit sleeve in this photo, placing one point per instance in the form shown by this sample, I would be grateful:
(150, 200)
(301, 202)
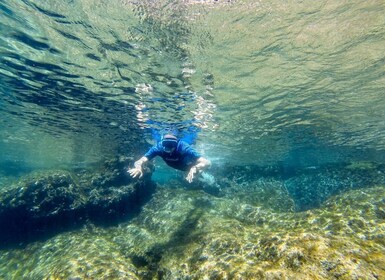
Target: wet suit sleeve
(153, 152)
(190, 152)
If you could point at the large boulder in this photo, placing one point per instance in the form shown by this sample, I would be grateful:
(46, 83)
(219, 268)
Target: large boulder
(45, 203)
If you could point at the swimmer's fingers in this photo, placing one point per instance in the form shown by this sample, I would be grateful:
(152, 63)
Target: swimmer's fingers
(190, 175)
(135, 172)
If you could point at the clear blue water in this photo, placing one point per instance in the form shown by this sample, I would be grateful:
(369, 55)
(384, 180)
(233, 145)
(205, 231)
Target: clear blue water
(298, 84)
(260, 88)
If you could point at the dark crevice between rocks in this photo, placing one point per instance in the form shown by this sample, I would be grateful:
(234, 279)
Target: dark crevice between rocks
(184, 235)
(18, 228)
(41, 206)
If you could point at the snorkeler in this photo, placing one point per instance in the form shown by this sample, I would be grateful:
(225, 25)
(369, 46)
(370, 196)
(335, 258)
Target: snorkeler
(177, 154)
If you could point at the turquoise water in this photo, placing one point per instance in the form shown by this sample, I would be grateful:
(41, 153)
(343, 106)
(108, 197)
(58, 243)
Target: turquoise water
(290, 90)
(296, 83)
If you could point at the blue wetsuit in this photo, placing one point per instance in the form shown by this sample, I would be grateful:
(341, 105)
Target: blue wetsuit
(182, 158)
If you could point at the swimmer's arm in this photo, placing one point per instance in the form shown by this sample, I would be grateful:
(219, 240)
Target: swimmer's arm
(202, 163)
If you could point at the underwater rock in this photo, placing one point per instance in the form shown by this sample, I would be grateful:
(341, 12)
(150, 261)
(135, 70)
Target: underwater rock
(310, 188)
(82, 254)
(227, 241)
(54, 201)
(268, 193)
(307, 187)
(34, 204)
(182, 234)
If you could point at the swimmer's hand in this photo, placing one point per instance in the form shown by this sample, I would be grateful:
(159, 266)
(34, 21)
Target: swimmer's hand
(191, 173)
(135, 172)
(202, 163)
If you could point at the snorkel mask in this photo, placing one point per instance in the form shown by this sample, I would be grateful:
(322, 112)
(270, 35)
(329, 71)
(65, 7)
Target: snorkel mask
(169, 143)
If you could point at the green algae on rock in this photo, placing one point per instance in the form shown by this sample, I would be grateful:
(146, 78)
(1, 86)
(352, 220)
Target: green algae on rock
(298, 189)
(285, 246)
(50, 202)
(84, 254)
(190, 234)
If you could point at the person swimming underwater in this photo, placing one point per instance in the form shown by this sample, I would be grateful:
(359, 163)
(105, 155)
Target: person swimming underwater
(177, 154)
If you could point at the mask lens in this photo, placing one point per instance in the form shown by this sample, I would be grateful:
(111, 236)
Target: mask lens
(169, 144)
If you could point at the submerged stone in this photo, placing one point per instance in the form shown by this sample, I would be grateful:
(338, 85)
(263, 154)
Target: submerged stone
(307, 187)
(228, 242)
(55, 201)
(189, 234)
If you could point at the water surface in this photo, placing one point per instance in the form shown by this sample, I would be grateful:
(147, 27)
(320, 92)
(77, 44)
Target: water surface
(296, 83)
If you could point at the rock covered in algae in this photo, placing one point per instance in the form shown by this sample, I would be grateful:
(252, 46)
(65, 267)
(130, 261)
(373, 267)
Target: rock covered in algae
(312, 187)
(36, 202)
(85, 254)
(268, 193)
(308, 187)
(53, 201)
(219, 238)
(188, 234)
(230, 240)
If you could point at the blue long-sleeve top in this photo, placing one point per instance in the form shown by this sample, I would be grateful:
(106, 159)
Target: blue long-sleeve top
(182, 158)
